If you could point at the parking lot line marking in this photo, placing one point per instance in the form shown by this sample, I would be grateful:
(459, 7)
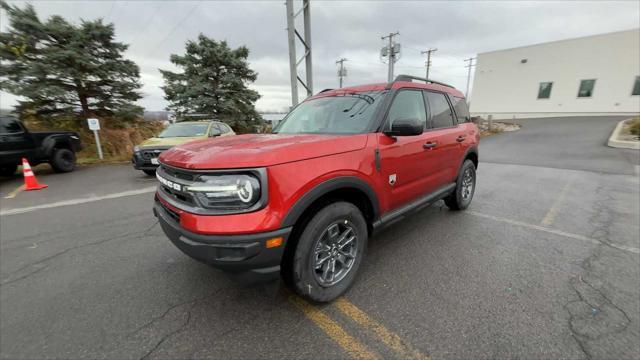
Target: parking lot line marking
(15, 192)
(390, 339)
(554, 231)
(347, 342)
(551, 214)
(77, 201)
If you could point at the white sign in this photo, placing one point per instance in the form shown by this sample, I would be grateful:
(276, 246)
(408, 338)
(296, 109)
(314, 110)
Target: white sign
(94, 124)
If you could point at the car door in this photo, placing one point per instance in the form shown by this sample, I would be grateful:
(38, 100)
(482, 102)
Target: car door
(444, 132)
(405, 161)
(15, 141)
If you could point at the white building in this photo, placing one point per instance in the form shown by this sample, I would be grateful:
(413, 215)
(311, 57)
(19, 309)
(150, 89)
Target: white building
(588, 76)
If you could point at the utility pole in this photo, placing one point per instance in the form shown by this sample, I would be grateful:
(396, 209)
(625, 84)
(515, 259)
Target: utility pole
(391, 52)
(342, 72)
(306, 42)
(428, 62)
(471, 64)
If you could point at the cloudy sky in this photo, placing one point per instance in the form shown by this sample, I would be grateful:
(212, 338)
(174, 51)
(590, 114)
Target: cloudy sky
(350, 29)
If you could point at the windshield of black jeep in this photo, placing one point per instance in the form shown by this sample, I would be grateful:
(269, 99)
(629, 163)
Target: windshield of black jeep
(340, 114)
(185, 130)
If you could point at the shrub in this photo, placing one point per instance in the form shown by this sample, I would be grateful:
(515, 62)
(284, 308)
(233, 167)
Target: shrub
(634, 126)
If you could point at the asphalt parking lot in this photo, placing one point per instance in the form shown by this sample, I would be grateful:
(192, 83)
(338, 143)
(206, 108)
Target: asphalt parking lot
(544, 264)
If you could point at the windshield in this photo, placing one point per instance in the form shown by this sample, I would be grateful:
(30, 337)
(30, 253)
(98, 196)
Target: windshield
(340, 114)
(184, 130)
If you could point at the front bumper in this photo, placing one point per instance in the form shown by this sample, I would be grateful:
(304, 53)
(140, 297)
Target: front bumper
(140, 163)
(244, 256)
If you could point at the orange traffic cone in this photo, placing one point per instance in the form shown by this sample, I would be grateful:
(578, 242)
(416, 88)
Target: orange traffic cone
(30, 182)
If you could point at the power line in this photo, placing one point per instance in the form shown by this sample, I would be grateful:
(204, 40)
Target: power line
(113, 5)
(146, 26)
(176, 27)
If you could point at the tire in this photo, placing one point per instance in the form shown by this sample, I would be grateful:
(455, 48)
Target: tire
(149, 172)
(336, 221)
(63, 160)
(463, 194)
(8, 170)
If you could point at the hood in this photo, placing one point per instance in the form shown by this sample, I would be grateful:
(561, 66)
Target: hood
(258, 150)
(169, 141)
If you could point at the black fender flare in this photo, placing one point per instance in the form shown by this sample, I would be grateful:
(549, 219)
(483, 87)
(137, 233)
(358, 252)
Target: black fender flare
(471, 150)
(50, 142)
(342, 182)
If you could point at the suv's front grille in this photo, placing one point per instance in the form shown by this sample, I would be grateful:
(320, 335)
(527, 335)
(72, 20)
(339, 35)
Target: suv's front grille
(179, 174)
(179, 196)
(151, 153)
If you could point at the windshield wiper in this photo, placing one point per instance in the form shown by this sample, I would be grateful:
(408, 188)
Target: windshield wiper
(364, 97)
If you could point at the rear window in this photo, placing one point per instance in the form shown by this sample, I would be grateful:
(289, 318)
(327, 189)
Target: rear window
(441, 114)
(9, 126)
(462, 111)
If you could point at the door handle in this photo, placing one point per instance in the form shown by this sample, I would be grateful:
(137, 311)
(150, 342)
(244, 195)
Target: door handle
(461, 138)
(429, 145)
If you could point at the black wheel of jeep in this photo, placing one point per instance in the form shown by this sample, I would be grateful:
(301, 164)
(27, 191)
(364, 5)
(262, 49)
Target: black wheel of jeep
(8, 170)
(329, 252)
(149, 172)
(465, 188)
(63, 160)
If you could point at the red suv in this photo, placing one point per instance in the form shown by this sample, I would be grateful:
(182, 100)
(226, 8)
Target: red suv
(303, 201)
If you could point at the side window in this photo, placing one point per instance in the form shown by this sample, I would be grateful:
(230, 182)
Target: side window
(227, 129)
(10, 126)
(441, 113)
(215, 130)
(462, 111)
(408, 104)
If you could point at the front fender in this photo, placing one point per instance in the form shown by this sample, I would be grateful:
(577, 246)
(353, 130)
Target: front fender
(342, 182)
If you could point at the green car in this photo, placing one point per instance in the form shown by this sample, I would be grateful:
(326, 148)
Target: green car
(145, 155)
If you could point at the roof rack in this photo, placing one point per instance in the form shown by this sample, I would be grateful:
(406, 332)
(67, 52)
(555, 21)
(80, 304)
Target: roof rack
(325, 90)
(411, 77)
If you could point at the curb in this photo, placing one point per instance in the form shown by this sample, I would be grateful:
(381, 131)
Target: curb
(621, 144)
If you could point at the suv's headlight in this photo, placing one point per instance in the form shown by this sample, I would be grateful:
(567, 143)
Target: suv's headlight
(226, 192)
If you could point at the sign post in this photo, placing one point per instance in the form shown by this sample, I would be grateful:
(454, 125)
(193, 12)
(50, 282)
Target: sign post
(94, 125)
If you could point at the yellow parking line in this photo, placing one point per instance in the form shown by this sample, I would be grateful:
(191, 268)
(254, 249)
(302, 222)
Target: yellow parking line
(390, 339)
(354, 348)
(551, 215)
(15, 192)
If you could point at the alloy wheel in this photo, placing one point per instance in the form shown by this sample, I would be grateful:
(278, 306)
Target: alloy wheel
(335, 253)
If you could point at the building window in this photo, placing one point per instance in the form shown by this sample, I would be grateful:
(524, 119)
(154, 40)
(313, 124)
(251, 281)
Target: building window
(544, 91)
(636, 86)
(586, 88)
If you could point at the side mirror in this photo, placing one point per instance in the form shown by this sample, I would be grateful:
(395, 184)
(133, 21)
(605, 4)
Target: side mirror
(405, 127)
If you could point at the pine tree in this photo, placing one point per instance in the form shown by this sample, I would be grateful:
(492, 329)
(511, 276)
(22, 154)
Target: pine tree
(66, 69)
(213, 82)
